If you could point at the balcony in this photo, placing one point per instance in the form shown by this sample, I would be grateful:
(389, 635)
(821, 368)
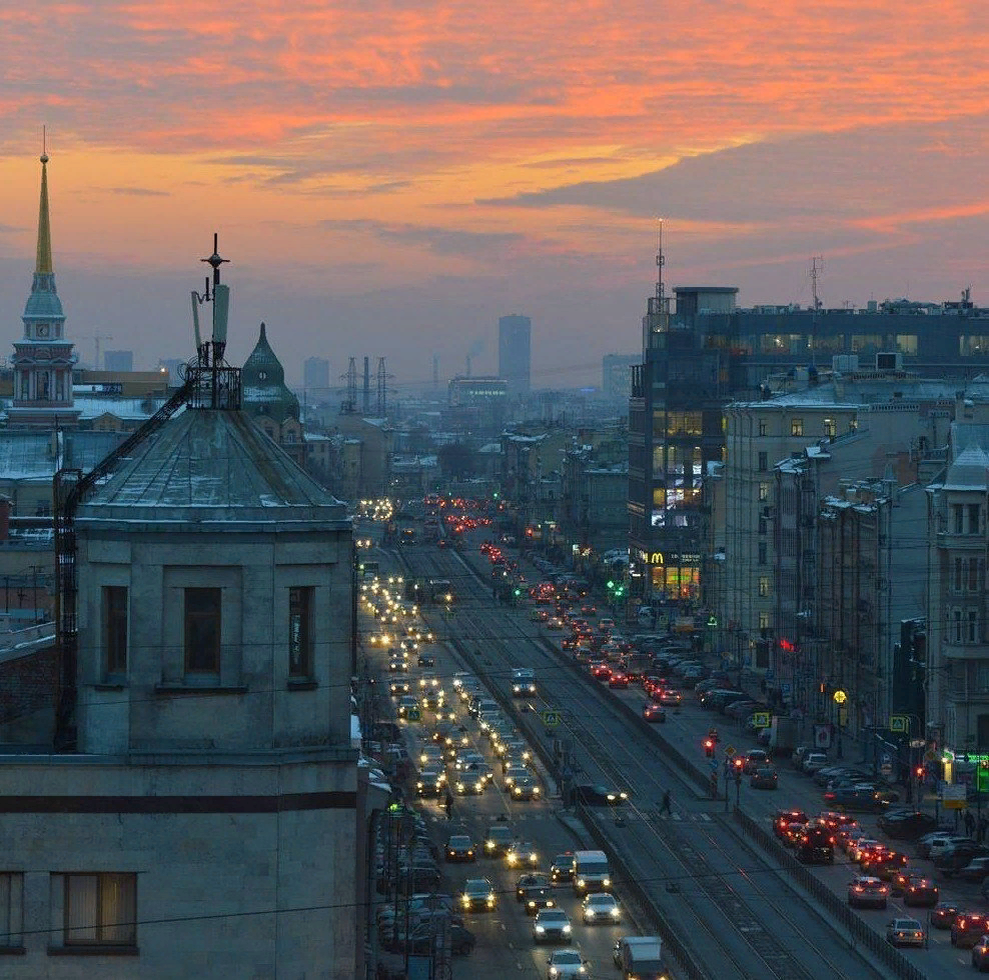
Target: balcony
(965, 651)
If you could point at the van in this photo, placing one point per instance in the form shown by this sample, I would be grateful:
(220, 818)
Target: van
(639, 957)
(590, 872)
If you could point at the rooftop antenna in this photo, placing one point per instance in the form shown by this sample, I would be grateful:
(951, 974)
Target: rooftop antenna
(223, 382)
(660, 262)
(816, 268)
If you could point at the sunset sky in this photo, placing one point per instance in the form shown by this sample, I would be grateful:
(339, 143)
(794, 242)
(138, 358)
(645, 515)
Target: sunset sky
(390, 177)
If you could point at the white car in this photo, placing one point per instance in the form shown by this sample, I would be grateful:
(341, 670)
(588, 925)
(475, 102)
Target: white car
(566, 963)
(600, 907)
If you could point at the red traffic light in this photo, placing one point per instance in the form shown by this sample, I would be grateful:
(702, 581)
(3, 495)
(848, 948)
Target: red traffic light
(708, 743)
(738, 763)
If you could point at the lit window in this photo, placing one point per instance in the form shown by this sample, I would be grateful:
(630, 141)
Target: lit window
(764, 491)
(796, 427)
(764, 620)
(763, 427)
(764, 585)
(99, 909)
(830, 428)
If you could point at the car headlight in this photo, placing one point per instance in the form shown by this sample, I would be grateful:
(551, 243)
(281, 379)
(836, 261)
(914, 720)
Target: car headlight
(535, 790)
(566, 929)
(606, 882)
(553, 972)
(590, 913)
(580, 882)
(616, 912)
(540, 928)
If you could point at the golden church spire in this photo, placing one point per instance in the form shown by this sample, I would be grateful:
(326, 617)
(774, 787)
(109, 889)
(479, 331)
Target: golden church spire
(44, 265)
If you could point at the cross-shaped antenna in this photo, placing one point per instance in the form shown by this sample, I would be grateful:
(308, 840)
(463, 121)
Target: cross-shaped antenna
(215, 261)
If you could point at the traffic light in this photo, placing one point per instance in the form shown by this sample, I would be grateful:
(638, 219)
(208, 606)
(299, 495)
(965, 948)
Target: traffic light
(919, 772)
(709, 748)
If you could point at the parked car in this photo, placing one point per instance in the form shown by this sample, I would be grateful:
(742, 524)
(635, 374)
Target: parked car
(976, 870)
(906, 824)
(813, 761)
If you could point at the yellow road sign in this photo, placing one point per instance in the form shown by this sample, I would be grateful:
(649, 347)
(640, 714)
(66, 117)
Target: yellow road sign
(730, 751)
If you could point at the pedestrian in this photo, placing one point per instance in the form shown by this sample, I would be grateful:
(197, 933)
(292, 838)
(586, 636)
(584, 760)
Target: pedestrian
(665, 808)
(969, 823)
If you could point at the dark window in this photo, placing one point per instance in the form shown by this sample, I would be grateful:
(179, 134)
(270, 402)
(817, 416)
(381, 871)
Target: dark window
(763, 525)
(959, 514)
(100, 910)
(973, 518)
(11, 910)
(202, 631)
(763, 427)
(115, 629)
(762, 552)
(300, 631)
(763, 462)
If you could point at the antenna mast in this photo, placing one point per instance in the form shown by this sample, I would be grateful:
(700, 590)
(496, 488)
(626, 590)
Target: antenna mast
(816, 268)
(661, 300)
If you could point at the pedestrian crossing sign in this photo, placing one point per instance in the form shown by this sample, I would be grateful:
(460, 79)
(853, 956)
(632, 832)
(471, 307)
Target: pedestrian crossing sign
(551, 718)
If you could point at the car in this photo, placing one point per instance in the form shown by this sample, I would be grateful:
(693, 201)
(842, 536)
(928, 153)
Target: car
(566, 963)
(430, 782)
(670, 698)
(865, 892)
(920, 891)
(551, 925)
(976, 870)
(600, 907)
(498, 839)
(905, 932)
(460, 848)
(618, 679)
(478, 895)
(954, 857)
(864, 846)
(599, 795)
(408, 707)
(884, 863)
(399, 685)
(980, 954)
(783, 818)
(754, 759)
(815, 845)
(856, 798)
(930, 847)
(539, 898)
(530, 880)
(426, 660)
(906, 824)
(526, 788)
(512, 773)
(943, 915)
(522, 854)
(471, 783)
(653, 712)
(835, 820)
(813, 761)
(968, 928)
(765, 777)
(561, 869)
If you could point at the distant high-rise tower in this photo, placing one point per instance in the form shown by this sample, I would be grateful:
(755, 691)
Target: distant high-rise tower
(119, 361)
(43, 358)
(514, 356)
(316, 374)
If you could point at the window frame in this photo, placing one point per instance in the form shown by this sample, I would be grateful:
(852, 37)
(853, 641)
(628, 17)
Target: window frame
(69, 932)
(12, 910)
(763, 462)
(115, 610)
(301, 612)
(765, 587)
(195, 619)
(797, 428)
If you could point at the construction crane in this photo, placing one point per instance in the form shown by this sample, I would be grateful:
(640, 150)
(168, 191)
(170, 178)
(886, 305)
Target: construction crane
(96, 338)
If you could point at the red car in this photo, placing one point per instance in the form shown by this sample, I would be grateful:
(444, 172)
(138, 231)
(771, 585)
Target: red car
(601, 671)
(618, 679)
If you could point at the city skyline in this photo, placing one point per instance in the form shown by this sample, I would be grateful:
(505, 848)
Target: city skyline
(390, 179)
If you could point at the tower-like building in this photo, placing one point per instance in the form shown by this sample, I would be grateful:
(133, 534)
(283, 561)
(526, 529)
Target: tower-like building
(43, 357)
(514, 352)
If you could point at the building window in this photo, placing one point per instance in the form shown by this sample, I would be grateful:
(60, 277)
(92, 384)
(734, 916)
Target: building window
(982, 677)
(764, 491)
(99, 909)
(764, 621)
(956, 626)
(300, 631)
(11, 910)
(763, 462)
(958, 514)
(976, 574)
(763, 427)
(973, 518)
(762, 552)
(202, 631)
(796, 427)
(830, 428)
(972, 626)
(764, 586)
(763, 525)
(115, 629)
(956, 579)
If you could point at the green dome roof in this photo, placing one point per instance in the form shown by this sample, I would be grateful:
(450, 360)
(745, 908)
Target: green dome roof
(263, 385)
